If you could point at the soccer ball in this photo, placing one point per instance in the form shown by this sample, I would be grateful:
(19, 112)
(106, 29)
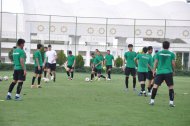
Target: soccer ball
(46, 80)
(87, 79)
(104, 68)
(5, 78)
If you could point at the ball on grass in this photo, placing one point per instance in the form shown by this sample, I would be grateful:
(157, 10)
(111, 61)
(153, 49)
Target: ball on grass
(87, 79)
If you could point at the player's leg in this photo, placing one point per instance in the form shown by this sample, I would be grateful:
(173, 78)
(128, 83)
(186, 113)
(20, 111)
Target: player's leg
(158, 81)
(54, 72)
(170, 84)
(109, 72)
(72, 73)
(100, 74)
(133, 73)
(68, 72)
(141, 78)
(92, 74)
(12, 85)
(34, 76)
(127, 72)
(39, 78)
(21, 79)
(45, 70)
(49, 70)
(150, 82)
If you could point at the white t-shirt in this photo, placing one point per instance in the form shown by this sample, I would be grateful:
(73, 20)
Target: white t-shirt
(51, 56)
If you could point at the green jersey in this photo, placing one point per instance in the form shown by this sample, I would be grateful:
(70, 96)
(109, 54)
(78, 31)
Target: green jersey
(143, 61)
(151, 62)
(38, 55)
(18, 53)
(109, 59)
(97, 60)
(129, 57)
(165, 58)
(70, 60)
(92, 61)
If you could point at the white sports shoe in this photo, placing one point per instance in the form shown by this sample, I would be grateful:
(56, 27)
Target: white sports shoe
(52, 77)
(108, 79)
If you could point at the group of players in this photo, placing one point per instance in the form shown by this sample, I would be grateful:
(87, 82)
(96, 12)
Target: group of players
(156, 69)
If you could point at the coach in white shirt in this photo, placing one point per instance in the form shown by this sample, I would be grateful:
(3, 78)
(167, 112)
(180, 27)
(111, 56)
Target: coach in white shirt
(51, 57)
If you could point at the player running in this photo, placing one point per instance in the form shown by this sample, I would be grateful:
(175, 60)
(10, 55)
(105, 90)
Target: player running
(108, 62)
(19, 75)
(70, 63)
(165, 65)
(130, 66)
(38, 63)
(142, 61)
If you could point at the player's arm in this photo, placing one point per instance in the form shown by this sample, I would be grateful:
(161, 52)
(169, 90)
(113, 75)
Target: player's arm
(74, 63)
(23, 66)
(173, 66)
(136, 61)
(155, 66)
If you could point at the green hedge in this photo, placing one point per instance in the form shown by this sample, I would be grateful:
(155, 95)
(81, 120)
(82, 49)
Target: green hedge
(30, 67)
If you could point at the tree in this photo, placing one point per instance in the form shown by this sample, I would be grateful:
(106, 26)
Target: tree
(118, 62)
(79, 61)
(178, 61)
(61, 58)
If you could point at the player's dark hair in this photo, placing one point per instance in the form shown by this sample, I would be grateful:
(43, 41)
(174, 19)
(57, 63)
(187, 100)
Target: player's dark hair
(49, 46)
(14, 47)
(145, 49)
(166, 45)
(150, 48)
(45, 47)
(130, 45)
(70, 52)
(156, 51)
(20, 42)
(39, 46)
(108, 50)
(92, 54)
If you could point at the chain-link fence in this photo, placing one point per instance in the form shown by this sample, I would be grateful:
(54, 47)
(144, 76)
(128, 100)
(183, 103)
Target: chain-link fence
(83, 35)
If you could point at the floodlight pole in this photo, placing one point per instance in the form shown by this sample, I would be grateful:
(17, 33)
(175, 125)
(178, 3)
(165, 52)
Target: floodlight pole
(134, 34)
(16, 26)
(106, 33)
(49, 28)
(76, 36)
(165, 29)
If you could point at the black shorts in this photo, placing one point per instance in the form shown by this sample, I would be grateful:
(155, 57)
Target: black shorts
(108, 67)
(19, 75)
(99, 71)
(52, 67)
(46, 66)
(142, 76)
(36, 71)
(168, 78)
(95, 70)
(130, 71)
(70, 67)
(150, 75)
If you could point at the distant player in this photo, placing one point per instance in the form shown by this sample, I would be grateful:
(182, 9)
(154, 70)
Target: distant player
(150, 74)
(92, 65)
(108, 62)
(165, 65)
(142, 61)
(51, 57)
(38, 63)
(70, 63)
(98, 65)
(130, 68)
(19, 75)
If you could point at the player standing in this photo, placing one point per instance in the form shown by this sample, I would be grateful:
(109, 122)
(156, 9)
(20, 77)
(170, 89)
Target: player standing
(142, 60)
(19, 74)
(51, 57)
(165, 64)
(150, 74)
(130, 66)
(98, 65)
(108, 62)
(38, 63)
(70, 63)
(92, 65)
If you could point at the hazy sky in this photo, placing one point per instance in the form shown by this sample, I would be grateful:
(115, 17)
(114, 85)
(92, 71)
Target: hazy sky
(150, 2)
